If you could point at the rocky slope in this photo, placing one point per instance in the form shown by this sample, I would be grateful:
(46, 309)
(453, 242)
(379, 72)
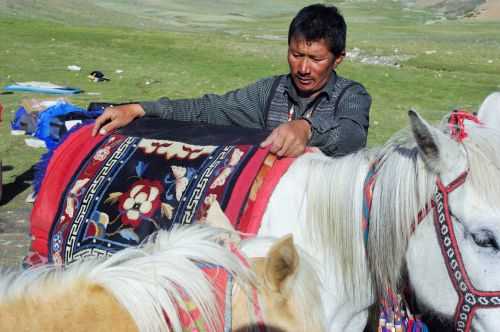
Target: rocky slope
(448, 8)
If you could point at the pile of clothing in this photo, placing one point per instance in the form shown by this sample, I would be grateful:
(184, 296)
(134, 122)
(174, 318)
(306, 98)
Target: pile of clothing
(50, 120)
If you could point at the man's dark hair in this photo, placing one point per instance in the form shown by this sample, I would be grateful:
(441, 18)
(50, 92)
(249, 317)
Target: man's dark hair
(316, 22)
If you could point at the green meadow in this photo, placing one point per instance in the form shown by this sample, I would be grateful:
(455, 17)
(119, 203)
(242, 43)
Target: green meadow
(406, 58)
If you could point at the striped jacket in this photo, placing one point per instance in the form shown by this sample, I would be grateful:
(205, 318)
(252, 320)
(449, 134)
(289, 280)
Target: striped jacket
(338, 115)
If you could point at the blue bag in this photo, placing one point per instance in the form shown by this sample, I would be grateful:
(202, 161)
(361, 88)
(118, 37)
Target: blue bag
(53, 123)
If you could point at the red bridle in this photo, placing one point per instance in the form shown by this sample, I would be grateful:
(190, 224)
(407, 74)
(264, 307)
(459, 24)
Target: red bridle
(469, 298)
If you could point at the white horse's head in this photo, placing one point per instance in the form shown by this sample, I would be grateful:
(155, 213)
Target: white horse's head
(462, 272)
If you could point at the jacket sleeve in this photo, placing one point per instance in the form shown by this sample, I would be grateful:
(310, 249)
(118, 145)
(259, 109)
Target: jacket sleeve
(345, 130)
(243, 107)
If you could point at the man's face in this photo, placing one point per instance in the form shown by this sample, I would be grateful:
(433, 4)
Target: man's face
(311, 64)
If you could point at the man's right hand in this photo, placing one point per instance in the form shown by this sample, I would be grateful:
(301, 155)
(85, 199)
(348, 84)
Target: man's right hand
(116, 117)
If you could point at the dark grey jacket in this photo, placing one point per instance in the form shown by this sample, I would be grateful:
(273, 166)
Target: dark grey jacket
(339, 114)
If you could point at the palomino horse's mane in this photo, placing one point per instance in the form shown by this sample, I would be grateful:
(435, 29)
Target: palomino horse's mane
(133, 276)
(403, 186)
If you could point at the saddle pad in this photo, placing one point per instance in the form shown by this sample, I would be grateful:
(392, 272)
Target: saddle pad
(102, 194)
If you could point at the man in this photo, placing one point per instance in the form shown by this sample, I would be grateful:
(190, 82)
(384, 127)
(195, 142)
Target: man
(311, 106)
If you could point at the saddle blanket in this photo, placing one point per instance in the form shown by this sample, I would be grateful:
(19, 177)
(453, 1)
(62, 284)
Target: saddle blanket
(101, 194)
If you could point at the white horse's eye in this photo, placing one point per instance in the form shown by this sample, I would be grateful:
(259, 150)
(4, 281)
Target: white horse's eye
(486, 239)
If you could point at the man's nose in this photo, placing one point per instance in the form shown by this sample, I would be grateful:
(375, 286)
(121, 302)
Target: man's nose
(304, 67)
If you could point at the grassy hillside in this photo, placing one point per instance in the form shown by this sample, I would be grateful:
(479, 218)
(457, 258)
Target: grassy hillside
(150, 14)
(164, 48)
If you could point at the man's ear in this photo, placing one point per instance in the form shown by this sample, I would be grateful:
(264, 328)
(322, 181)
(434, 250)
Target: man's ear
(338, 59)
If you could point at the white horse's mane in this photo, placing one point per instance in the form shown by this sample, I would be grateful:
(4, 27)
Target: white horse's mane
(334, 192)
(133, 275)
(403, 186)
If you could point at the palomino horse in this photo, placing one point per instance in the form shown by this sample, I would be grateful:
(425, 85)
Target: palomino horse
(135, 289)
(366, 218)
(431, 202)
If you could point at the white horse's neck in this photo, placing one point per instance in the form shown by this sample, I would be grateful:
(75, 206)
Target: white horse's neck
(316, 201)
(320, 201)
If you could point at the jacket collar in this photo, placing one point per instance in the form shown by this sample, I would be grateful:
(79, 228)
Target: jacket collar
(327, 90)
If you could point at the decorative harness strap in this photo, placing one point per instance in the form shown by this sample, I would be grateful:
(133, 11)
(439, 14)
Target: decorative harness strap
(394, 314)
(368, 198)
(223, 281)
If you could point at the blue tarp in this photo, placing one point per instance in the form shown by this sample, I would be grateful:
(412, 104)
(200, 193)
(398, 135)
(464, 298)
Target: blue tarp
(42, 89)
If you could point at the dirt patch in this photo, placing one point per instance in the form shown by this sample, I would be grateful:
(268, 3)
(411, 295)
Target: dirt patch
(14, 236)
(393, 60)
(450, 9)
(489, 11)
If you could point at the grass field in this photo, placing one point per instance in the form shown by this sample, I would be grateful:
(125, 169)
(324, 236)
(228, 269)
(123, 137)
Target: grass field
(166, 49)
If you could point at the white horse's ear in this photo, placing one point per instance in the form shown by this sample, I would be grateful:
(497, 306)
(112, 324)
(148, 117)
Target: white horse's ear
(439, 152)
(282, 263)
(489, 111)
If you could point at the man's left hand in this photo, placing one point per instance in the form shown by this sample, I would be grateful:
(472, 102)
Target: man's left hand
(289, 139)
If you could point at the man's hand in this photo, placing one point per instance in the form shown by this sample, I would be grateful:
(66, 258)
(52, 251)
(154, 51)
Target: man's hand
(289, 139)
(116, 117)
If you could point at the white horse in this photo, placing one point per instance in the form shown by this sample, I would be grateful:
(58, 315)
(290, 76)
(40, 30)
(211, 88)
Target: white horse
(320, 201)
(135, 289)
